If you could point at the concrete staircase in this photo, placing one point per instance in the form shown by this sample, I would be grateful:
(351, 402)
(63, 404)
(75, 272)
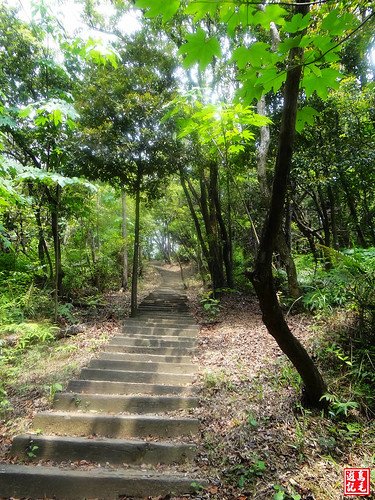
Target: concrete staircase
(127, 416)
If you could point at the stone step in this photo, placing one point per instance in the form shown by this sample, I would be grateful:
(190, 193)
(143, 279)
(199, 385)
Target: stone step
(101, 450)
(168, 351)
(151, 342)
(135, 376)
(161, 308)
(162, 338)
(165, 293)
(145, 366)
(114, 403)
(157, 315)
(114, 426)
(164, 301)
(122, 388)
(22, 481)
(163, 323)
(131, 356)
(160, 331)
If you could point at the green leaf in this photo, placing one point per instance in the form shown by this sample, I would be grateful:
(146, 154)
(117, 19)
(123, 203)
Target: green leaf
(305, 115)
(25, 112)
(297, 23)
(236, 16)
(200, 49)
(250, 90)
(201, 10)
(259, 55)
(236, 148)
(337, 23)
(312, 83)
(57, 116)
(289, 43)
(165, 9)
(272, 13)
(324, 43)
(242, 56)
(271, 79)
(7, 121)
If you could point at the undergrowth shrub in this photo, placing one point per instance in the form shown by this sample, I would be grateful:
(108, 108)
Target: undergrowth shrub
(347, 349)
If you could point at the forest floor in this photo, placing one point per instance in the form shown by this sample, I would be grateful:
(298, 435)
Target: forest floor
(257, 441)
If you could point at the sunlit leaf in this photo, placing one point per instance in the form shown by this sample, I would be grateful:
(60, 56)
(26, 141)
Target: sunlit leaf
(200, 49)
(155, 8)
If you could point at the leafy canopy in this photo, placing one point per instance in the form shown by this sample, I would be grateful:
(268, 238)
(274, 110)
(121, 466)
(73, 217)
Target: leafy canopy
(261, 68)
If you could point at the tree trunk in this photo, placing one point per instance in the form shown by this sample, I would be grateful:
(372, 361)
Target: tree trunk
(194, 216)
(262, 276)
(210, 250)
(57, 246)
(43, 251)
(332, 207)
(124, 233)
(226, 245)
(353, 211)
(214, 245)
(281, 242)
(290, 267)
(134, 292)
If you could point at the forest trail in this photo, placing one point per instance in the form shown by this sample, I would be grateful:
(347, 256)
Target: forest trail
(122, 427)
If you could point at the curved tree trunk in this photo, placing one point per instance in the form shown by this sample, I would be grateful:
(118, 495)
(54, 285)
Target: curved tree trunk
(262, 276)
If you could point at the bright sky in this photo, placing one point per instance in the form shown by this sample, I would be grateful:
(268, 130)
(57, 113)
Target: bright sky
(69, 14)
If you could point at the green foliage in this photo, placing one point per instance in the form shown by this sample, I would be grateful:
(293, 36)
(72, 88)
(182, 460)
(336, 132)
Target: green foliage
(289, 376)
(338, 408)
(281, 494)
(350, 283)
(32, 449)
(217, 380)
(246, 474)
(200, 48)
(20, 297)
(197, 487)
(5, 405)
(53, 389)
(29, 334)
(211, 306)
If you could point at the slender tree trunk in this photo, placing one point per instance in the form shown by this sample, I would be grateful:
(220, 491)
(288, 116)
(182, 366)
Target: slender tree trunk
(325, 218)
(43, 251)
(124, 232)
(194, 216)
(353, 211)
(332, 207)
(262, 275)
(290, 267)
(57, 247)
(134, 292)
(214, 245)
(215, 197)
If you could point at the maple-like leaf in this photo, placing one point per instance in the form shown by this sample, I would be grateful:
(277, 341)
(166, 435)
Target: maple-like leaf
(157, 8)
(200, 49)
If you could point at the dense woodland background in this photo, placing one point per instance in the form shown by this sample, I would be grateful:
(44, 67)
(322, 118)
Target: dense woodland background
(234, 136)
